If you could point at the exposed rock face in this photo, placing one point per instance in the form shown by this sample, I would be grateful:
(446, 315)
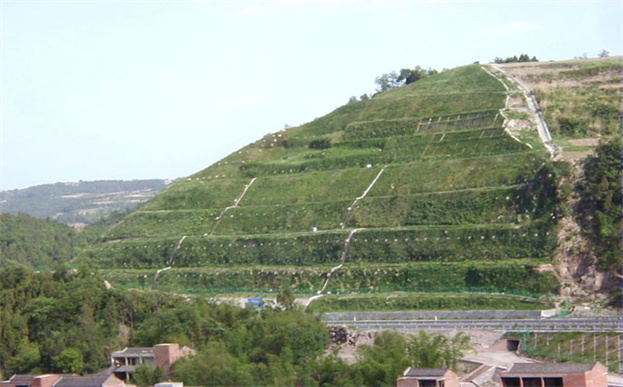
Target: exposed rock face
(576, 264)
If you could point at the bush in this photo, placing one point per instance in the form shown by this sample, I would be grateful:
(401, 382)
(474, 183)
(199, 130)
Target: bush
(320, 143)
(69, 361)
(147, 375)
(571, 126)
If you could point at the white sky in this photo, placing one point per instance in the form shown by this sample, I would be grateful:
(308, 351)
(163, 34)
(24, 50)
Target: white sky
(160, 89)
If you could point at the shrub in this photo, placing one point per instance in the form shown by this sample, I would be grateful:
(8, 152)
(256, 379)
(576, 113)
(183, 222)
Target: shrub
(320, 143)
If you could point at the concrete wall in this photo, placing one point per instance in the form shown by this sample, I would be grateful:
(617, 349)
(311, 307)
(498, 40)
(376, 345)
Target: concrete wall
(597, 377)
(430, 315)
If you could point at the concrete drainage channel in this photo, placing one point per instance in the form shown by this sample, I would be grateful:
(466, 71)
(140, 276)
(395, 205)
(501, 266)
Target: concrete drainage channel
(533, 107)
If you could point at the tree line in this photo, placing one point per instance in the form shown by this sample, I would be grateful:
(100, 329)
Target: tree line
(516, 59)
(68, 321)
(396, 79)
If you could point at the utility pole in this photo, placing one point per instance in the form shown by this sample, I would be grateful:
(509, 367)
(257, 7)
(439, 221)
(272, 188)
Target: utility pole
(535, 340)
(606, 350)
(619, 349)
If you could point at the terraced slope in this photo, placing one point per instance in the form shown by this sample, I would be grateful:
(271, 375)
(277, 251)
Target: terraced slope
(419, 189)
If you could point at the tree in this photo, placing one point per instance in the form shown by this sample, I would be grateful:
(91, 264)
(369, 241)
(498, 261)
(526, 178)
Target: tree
(515, 58)
(387, 81)
(604, 53)
(26, 358)
(213, 366)
(409, 76)
(290, 332)
(69, 361)
(381, 363)
(147, 375)
(405, 76)
(285, 298)
(435, 351)
(332, 371)
(599, 210)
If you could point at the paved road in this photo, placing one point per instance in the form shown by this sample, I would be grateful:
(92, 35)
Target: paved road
(578, 324)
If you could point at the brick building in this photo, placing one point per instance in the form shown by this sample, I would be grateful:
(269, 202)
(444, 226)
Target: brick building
(554, 375)
(124, 362)
(428, 377)
(47, 380)
(101, 379)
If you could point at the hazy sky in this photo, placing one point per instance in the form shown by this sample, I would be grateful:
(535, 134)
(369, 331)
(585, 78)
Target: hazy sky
(138, 89)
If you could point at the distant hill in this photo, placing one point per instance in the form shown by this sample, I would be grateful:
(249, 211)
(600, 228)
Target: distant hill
(79, 203)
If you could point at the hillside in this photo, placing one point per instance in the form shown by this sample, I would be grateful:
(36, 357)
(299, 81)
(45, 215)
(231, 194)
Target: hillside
(83, 202)
(419, 189)
(581, 99)
(39, 243)
(581, 103)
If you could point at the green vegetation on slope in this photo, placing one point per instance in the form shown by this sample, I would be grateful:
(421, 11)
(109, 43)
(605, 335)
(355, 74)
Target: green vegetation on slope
(35, 242)
(516, 276)
(425, 174)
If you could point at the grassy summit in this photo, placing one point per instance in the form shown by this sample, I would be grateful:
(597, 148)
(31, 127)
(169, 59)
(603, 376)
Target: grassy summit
(441, 197)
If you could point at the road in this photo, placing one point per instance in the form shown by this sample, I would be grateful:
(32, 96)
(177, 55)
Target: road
(576, 324)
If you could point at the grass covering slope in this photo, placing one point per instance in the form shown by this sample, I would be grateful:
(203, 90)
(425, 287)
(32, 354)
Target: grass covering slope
(436, 195)
(580, 98)
(426, 301)
(573, 347)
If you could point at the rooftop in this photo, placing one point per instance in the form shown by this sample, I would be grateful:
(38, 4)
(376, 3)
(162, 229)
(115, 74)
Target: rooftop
(95, 380)
(125, 368)
(425, 372)
(135, 352)
(22, 379)
(548, 368)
